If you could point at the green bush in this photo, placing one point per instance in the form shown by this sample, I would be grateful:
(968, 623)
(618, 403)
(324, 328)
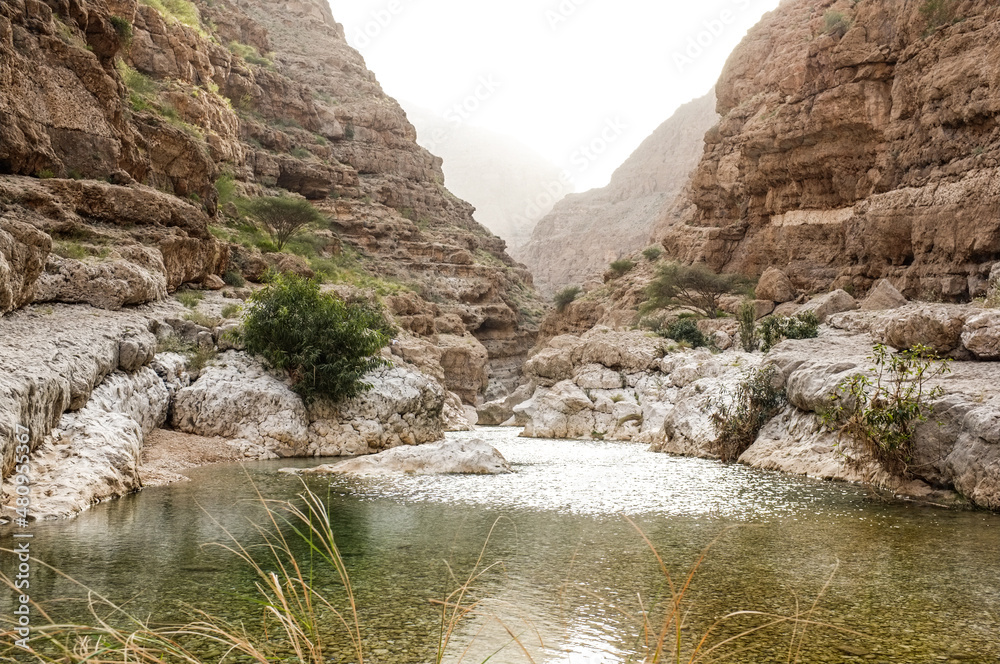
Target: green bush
(776, 328)
(739, 420)
(622, 267)
(124, 29)
(324, 344)
(566, 297)
(226, 188)
(282, 217)
(234, 278)
(836, 23)
(182, 11)
(696, 287)
(880, 409)
(250, 54)
(686, 330)
(747, 315)
(189, 298)
(652, 254)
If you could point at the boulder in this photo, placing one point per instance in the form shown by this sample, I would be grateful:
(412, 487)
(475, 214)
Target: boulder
(466, 457)
(981, 335)
(465, 362)
(598, 377)
(774, 285)
(630, 351)
(135, 276)
(937, 327)
(498, 412)
(23, 252)
(550, 366)
(883, 296)
(825, 306)
(454, 414)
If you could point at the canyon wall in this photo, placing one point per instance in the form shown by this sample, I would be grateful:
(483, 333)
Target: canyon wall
(571, 244)
(858, 141)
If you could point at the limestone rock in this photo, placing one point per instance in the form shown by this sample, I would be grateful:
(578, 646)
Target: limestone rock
(827, 305)
(466, 457)
(981, 335)
(499, 412)
(454, 415)
(23, 251)
(937, 327)
(136, 277)
(465, 364)
(774, 285)
(627, 351)
(883, 296)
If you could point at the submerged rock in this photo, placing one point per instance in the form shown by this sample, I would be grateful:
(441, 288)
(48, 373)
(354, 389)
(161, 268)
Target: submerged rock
(466, 457)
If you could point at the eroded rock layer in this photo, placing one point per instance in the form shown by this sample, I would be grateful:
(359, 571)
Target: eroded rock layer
(859, 141)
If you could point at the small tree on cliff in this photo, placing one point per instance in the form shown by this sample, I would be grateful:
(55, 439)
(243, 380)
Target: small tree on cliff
(324, 344)
(282, 217)
(695, 287)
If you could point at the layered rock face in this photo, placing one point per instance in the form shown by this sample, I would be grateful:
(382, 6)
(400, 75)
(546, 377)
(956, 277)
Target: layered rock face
(570, 245)
(116, 122)
(858, 141)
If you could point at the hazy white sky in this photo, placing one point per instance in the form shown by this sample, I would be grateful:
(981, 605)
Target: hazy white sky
(583, 82)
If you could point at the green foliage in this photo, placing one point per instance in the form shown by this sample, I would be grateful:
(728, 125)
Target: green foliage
(226, 188)
(283, 217)
(182, 11)
(300, 153)
(566, 297)
(231, 311)
(652, 254)
(124, 29)
(189, 298)
(685, 330)
(325, 345)
(45, 174)
(250, 54)
(598, 435)
(622, 267)
(198, 318)
(618, 398)
(938, 13)
(743, 413)
(776, 328)
(349, 131)
(836, 23)
(234, 278)
(880, 409)
(696, 287)
(747, 315)
(142, 90)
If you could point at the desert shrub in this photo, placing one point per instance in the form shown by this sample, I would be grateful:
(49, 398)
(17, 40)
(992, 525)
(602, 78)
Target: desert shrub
(695, 286)
(776, 328)
(652, 254)
(324, 344)
(836, 23)
(225, 186)
(743, 413)
(282, 217)
(880, 409)
(123, 27)
(622, 267)
(349, 131)
(300, 153)
(938, 13)
(198, 318)
(231, 311)
(182, 11)
(686, 330)
(747, 315)
(250, 54)
(234, 278)
(189, 298)
(566, 297)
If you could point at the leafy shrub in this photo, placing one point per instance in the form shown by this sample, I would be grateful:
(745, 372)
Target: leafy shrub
(231, 311)
(739, 420)
(799, 326)
(652, 254)
(696, 287)
(836, 23)
(182, 11)
(747, 315)
(349, 131)
(189, 298)
(880, 409)
(686, 330)
(324, 344)
(566, 297)
(226, 188)
(234, 278)
(300, 153)
(250, 54)
(45, 174)
(123, 27)
(282, 217)
(622, 267)
(198, 318)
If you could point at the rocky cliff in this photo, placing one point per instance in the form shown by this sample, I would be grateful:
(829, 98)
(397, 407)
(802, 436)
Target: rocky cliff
(119, 118)
(858, 141)
(571, 244)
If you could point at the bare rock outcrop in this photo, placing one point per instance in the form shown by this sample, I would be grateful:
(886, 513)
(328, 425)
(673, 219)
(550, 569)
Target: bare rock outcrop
(461, 457)
(849, 156)
(570, 244)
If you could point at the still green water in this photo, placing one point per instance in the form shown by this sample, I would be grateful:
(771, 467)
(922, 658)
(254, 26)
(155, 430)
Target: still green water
(921, 584)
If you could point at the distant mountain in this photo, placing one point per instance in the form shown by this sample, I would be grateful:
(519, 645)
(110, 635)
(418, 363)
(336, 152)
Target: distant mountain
(505, 180)
(585, 232)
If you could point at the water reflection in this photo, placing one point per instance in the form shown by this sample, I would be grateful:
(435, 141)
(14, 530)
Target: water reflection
(571, 576)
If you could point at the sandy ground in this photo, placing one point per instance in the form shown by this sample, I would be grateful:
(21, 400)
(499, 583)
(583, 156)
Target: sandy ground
(167, 454)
